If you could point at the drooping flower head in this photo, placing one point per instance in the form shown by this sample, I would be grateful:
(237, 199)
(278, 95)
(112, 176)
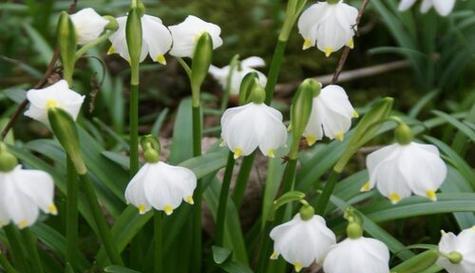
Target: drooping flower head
(57, 95)
(406, 167)
(246, 66)
(331, 115)
(457, 252)
(88, 25)
(156, 39)
(244, 128)
(443, 7)
(186, 34)
(330, 25)
(303, 240)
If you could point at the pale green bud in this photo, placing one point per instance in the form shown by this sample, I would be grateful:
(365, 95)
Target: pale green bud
(201, 62)
(67, 41)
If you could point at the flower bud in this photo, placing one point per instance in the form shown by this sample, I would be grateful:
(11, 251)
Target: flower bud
(113, 25)
(366, 130)
(67, 41)
(247, 84)
(307, 212)
(403, 134)
(201, 63)
(354, 230)
(133, 33)
(151, 147)
(65, 130)
(301, 107)
(8, 162)
(258, 94)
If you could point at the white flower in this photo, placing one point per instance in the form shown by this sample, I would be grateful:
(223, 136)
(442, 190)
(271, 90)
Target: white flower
(399, 170)
(458, 252)
(88, 24)
(331, 115)
(156, 39)
(160, 186)
(246, 66)
(186, 34)
(57, 95)
(330, 26)
(22, 194)
(302, 242)
(362, 255)
(443, 7)
(253, 125)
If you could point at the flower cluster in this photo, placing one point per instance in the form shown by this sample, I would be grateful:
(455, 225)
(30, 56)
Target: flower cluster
(443, 7)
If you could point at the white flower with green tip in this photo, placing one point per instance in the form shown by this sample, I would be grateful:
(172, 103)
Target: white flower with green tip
(458, 251)
(443, 7)
(88, 25)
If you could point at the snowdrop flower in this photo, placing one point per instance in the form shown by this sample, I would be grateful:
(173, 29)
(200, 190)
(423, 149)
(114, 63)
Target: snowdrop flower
(360, 255)
(246, 66)
(88, 24)
(23, 193)
(443, 7)
(331, 115)
(244, 128)
(303, 240)
(405, 167)
(160, 186)
(56, 95)
(156, 39)
(186, 34)
(458, 252)
(331, 25)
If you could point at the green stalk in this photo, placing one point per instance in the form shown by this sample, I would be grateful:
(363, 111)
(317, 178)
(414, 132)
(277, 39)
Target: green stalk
(6, 264)
(274, 70)
(197, 232)
(103, 38)
(324, 198)
(243, 179)
(223, 199)
(134, 129)
(99, 218)
(72, 188)
(31, 242)
(17, 250)
(158, 241)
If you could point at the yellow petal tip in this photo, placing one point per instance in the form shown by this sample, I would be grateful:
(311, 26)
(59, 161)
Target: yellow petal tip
(356, 114)
(366, 187)
(274, 256)
(271, 153)
(350, 43)
(340, 136)
(168, 210)
(431, 195)
(111, 50)
(141, 208)
(23, 224)
(161, 59)
(328, 51)
(307, 43)
(394, 198)
(237, 153)
(298, 267)
(311, 139)
(52, 209)
(51, 103)
(189, 200)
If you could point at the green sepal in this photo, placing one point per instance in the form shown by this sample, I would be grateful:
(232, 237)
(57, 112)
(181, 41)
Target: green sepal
(8, 161)
(418, 263)
(133, 33)
(151, 147)
(247, 85)
(65, 130)
(366, 130)
(201, 62)
(67, 42)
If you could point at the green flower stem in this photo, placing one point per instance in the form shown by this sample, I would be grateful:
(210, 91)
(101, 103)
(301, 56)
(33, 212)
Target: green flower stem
(324, 198)
(99, 218)
(158, 241)
(242, 179)
(197, 232)
(134, 128)
(31, 242)
(72, 188)
(16, 247)
(223, 199)
(274, 70)
(6, 264)
(103, 38)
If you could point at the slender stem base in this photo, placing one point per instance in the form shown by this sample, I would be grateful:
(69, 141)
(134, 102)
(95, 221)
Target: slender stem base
(197, 232)
(71, 214)
(158, 238)
(223, 200)
(102, 227)
(243, 179)
(322, 202)
(134, 129)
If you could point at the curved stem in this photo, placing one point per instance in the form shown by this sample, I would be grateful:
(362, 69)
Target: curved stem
(223, 200)
(72, 188)
(92, 44)
(99, 218)
(31, 240)
(158, 236)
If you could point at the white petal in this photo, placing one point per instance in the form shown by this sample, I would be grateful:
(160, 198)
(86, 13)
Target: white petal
(426, 5)
(253, 62)
(88, 24)
(377, 157)
(135, 191)
(119, 41)
(38, 186)
(444, 7)
(238, 130)
(156, 36)
(406, 4)
(186, 34)
(308, 22)
(272, 133)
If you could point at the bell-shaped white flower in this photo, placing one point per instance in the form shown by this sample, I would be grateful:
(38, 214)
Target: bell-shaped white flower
(246, 66)
(186, 34)
(161, 186)
(443, 7)
(360, 255)
(244, 128)
(302, 242)
(331, 115)
(398, 170)
(57, 95)
(329, 25)
(458, 252)
(23, 193)
(88, 25)
(156, 39)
